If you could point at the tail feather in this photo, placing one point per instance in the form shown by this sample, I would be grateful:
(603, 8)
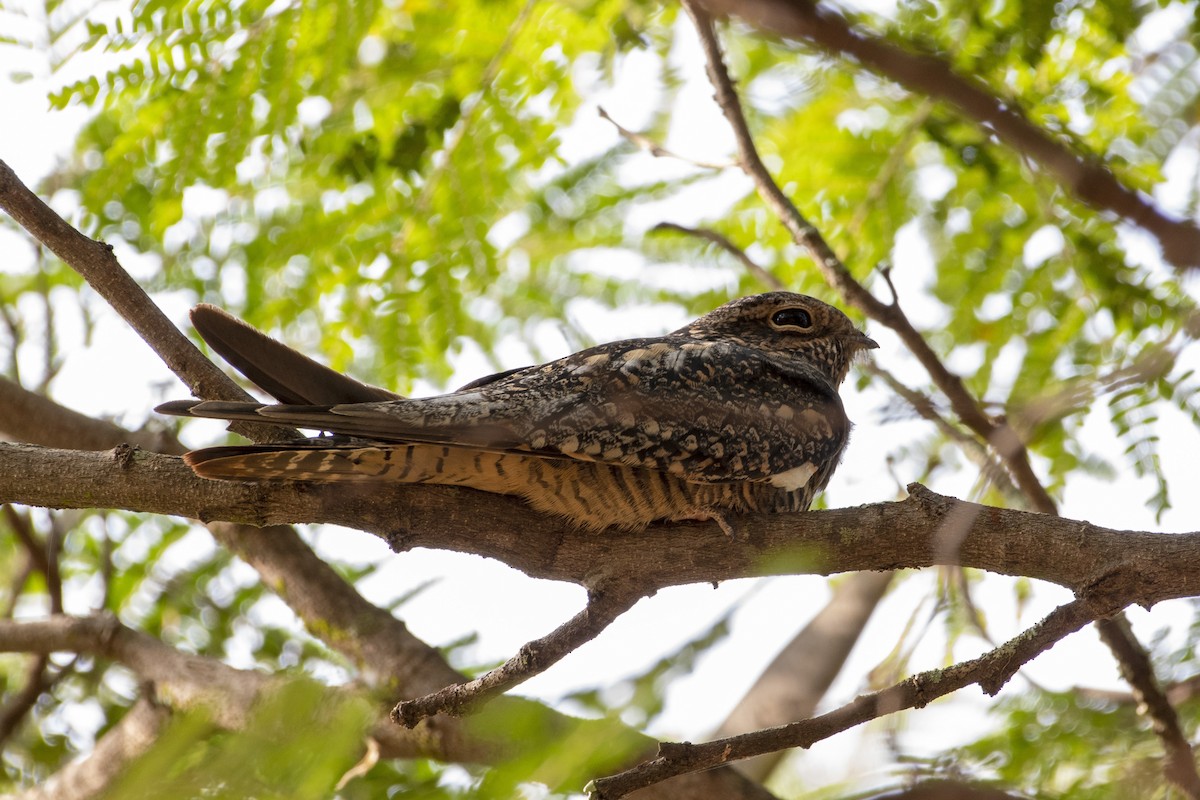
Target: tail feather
(410, 463)
(333, 464)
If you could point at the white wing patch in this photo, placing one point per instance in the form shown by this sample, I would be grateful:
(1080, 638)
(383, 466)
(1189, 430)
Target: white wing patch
(795, 478)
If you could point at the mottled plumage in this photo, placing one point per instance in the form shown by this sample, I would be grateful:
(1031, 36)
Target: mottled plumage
(738, 411)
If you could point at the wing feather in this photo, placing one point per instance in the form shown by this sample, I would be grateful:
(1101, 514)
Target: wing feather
(706, 411)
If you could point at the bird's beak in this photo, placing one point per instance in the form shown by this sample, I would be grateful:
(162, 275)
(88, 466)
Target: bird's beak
(866, 342)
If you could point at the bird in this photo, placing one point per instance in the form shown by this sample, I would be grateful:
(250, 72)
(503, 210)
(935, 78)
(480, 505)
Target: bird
(736, 412)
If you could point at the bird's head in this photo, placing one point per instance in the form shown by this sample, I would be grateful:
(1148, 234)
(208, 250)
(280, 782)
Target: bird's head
(787, 324)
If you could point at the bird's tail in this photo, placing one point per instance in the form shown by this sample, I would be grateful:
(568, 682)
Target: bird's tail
(401, 463)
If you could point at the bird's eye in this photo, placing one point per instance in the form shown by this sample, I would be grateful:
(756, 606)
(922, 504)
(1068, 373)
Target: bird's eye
(791, 318)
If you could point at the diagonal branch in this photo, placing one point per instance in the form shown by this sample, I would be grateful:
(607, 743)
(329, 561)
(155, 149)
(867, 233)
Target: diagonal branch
(795, 681)
(604, 605)
(999, 435)
(991, 469)
(654, 148)
(99, 267)
(991, 671)
(1085, 176)
(1138, 672)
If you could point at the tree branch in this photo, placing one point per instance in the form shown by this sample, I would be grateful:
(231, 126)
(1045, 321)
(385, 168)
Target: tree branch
(795, 681)
(723, 242)
(534, 657)
(1138, 672)
(90, 777)
(363, 632)
(923, 530)
(652, 147)
(228, 694)
(99, 267)
(1085, 176)
(991, 671)
(999, 435)
(188, 680)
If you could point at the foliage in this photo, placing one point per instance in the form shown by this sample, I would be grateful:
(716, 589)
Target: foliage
(387, 184)
(191, 759)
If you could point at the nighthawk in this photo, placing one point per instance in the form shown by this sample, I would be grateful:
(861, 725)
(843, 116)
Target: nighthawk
(735, 412)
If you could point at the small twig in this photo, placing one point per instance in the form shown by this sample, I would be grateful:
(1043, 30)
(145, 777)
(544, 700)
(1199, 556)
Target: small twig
(722, 241)
(13, 326)
(50, 364)
(970, 446)
(657, 150)
(106, 568)
(20, 577)
(974, 615)
(34, 549)
(991, 671)
(534, 657)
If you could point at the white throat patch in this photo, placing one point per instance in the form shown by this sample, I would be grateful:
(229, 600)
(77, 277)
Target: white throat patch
(795, 478)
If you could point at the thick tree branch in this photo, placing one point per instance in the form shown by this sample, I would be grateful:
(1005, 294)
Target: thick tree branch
(1086, 177)
(991, 671)
(921, 531)
(365, 633)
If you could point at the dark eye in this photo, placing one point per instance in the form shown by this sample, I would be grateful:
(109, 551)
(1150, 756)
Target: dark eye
(791, 318)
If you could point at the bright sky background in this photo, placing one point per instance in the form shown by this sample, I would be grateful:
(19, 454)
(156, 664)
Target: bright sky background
(118, 377)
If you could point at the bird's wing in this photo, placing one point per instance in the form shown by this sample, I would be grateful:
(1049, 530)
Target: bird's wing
(284, 373)
(706, 411)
